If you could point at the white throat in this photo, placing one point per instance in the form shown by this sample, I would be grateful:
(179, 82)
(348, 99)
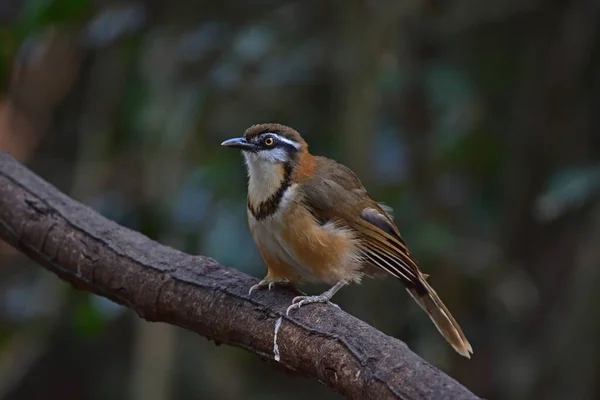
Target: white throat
(264, 178)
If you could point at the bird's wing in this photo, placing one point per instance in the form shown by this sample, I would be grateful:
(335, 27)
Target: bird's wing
(336, 194)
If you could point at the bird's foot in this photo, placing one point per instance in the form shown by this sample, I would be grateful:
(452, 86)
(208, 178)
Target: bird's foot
(303, 300)
(270, 284)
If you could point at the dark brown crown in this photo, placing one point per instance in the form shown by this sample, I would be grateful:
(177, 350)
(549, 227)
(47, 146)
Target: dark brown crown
(282, 130)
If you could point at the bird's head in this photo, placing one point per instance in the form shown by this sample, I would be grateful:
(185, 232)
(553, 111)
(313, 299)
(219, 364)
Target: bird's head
(276, 157)
(269, 144)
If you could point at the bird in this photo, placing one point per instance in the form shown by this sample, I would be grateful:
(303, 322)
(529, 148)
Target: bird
(314, 222)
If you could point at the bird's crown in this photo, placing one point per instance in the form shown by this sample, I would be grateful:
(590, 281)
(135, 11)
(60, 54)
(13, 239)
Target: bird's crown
(277, 129)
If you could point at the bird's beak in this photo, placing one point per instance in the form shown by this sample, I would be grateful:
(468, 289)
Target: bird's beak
(239, 143)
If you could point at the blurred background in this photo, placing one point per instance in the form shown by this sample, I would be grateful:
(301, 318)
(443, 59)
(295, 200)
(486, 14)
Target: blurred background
(478, 122)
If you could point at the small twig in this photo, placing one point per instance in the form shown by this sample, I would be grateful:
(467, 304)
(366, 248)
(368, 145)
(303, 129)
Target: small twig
(276, 354)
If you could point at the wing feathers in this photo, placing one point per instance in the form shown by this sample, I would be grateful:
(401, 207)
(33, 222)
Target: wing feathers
(376, 232)
(335, 193)
(388, 252)
(388, 265)
(379, 220)
(398, 262)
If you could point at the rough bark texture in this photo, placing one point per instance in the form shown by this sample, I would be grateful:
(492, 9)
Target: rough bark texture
(196, 293)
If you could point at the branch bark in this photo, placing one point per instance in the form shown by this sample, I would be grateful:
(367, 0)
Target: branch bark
(196, 293)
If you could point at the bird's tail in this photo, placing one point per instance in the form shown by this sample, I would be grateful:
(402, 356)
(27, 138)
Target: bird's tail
(443, 320)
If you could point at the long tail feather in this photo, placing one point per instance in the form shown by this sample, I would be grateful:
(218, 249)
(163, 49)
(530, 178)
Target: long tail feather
(383, 246)
(443, 320)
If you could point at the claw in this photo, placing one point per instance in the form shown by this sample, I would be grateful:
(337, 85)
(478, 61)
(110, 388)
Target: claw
(254, 287)
(266, 284)
(290, 308)
(300, 301)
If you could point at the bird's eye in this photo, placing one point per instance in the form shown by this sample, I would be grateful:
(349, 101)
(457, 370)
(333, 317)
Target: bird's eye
(269, 141)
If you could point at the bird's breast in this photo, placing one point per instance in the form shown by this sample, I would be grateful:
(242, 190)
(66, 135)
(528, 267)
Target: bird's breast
(324, 253)
(268, 232)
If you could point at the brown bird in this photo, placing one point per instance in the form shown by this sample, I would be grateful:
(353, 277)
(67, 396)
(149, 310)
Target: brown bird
(313, 221)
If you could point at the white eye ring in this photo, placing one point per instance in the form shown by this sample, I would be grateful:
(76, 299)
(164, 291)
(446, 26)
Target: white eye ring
(269, 141)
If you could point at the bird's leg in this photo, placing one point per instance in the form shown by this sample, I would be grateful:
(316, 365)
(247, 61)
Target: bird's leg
(268, 283)
(322, 298)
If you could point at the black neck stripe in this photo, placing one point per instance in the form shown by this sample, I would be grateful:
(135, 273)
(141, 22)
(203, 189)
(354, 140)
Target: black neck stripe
(269, 206)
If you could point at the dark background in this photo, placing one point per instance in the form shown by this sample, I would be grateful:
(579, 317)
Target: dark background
(478, 121)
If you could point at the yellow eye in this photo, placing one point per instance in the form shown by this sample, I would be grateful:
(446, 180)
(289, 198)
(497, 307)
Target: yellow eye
(269, 141)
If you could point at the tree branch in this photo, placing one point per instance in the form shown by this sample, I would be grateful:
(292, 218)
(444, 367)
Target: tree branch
(196, 293)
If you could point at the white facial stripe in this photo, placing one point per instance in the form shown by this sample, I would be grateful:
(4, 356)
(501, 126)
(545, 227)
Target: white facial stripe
(286, 140)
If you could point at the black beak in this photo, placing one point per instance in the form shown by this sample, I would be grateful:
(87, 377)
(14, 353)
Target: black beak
(239, 143)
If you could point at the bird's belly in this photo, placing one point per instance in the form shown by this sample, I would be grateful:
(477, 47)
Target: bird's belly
(269, 235)
(315, 253)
